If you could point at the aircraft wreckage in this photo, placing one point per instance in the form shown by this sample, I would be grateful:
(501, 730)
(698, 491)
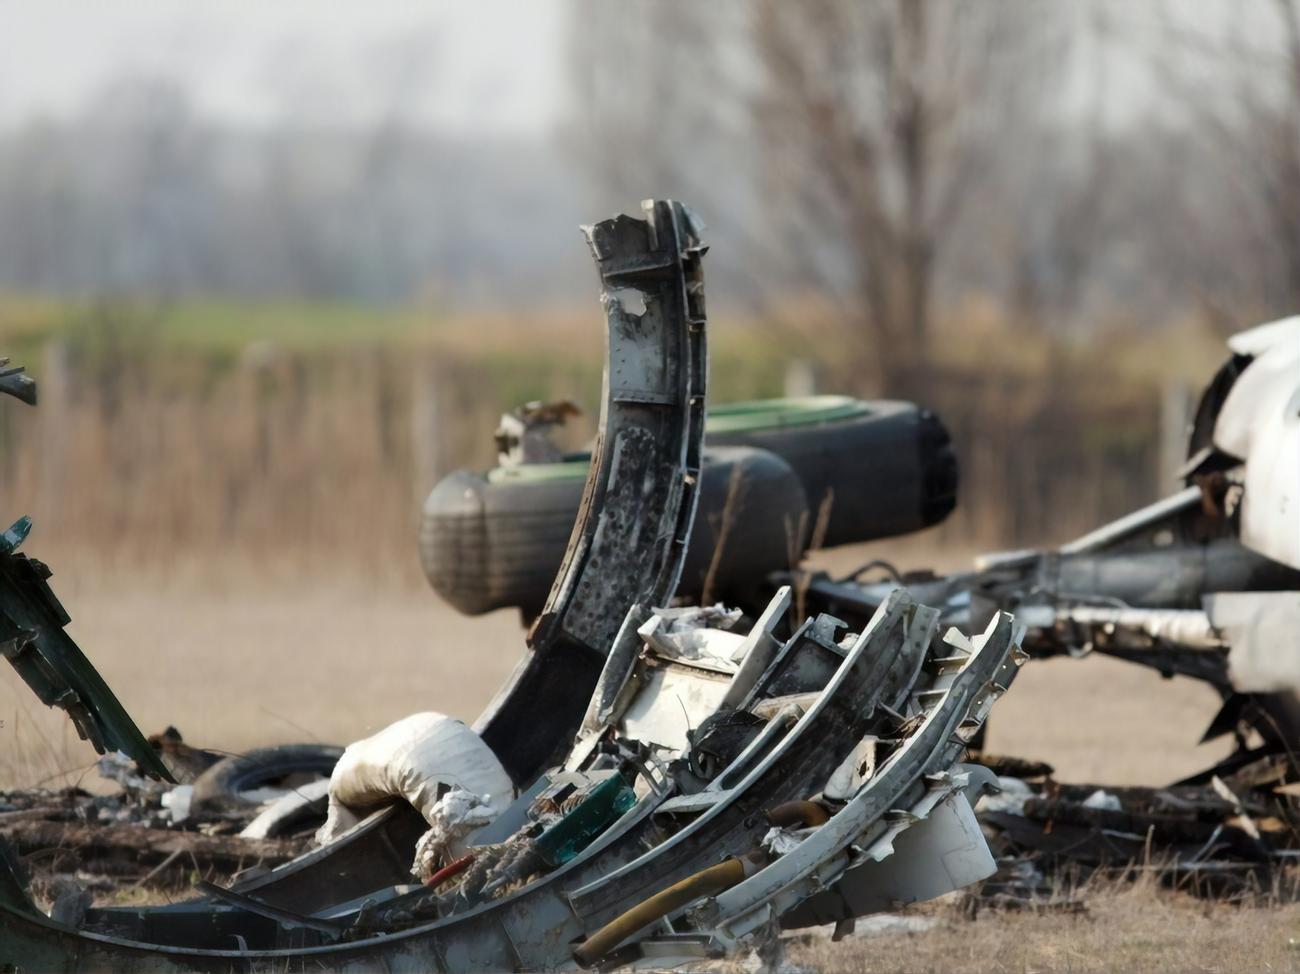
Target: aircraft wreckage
(661, 782)
(810, 763)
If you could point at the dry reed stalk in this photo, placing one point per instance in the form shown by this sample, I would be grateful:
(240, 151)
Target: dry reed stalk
(730, 512)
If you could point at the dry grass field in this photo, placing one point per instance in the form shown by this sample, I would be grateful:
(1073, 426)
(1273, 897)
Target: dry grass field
(1126, 926)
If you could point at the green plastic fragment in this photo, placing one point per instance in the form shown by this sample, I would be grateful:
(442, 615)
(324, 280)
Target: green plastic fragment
(16, 535)
(593, 815)
(767, 414)
(755, 416)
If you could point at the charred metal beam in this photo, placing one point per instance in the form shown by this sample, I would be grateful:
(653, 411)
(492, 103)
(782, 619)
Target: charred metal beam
(15, 381)
(629, 541)
(34, 641)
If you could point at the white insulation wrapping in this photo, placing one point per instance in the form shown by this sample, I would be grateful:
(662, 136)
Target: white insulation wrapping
(419, 758)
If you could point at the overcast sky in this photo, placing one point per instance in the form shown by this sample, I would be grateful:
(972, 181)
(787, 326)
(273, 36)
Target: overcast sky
(473, 66)
(487, 65)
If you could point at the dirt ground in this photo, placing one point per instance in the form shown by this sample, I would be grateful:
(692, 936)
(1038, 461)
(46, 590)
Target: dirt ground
(235, 664)
(236, 660)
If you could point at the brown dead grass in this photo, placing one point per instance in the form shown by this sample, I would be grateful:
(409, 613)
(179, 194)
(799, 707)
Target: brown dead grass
(1125, 927)
(209, 426)
(237, 658)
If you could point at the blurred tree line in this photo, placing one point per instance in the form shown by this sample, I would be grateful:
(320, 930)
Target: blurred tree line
(896, 160)
(886, 162)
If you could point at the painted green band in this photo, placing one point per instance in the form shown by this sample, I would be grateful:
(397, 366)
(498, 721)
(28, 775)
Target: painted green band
(734, 417)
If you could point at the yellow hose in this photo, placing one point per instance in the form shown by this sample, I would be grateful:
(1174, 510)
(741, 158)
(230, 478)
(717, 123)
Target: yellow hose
(802, 814)
(707, 882)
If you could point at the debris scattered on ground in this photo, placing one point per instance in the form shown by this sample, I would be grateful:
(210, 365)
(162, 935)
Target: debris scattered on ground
(1227, 837)
(142, 836)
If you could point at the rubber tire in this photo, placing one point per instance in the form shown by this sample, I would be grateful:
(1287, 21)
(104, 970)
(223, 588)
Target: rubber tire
(887, 472)
(221, 787)
(488, 544)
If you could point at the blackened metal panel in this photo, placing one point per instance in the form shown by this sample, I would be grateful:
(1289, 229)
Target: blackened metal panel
(33, 640)
(629, 541)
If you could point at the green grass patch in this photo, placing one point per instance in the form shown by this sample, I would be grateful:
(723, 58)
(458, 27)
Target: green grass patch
(549, 353)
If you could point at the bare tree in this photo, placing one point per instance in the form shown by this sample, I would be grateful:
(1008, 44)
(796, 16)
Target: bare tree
(878, 122)
(1271, 113)
(1238, 88)
(660, 100)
